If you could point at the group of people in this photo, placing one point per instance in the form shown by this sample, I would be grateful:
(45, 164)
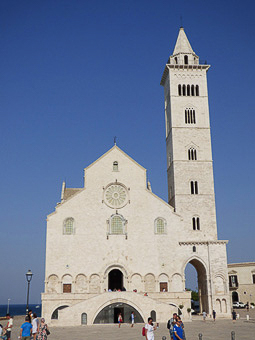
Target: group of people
(30, 328)
(174, 325)
(132, 319)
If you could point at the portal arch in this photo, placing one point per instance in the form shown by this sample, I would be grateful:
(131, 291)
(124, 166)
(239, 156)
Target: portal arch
(202, 282)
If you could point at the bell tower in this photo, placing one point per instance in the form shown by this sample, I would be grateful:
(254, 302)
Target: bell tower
(188, 141)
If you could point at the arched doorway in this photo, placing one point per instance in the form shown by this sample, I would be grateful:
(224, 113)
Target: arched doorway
(109, 314)
(115, 280)
(235, 297)
(197, 283)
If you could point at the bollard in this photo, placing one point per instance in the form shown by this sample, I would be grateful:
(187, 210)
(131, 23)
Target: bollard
(233, 335)
(163, 338)
(200, 336)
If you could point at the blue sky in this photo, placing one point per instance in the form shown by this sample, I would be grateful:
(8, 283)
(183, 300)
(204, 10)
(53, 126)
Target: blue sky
(76, 73)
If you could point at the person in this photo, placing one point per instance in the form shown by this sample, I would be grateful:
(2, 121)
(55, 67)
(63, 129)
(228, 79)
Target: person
(26, 329)
(132, 316)
(234, 316)
(30, 315)
(204, 315)
(178, 331)
(178, 318)
(42, 334)
(8, 327)
(120, 320)
(35, 326)
(149, 330)
(214, 315)
(170, 325)
(1, 330)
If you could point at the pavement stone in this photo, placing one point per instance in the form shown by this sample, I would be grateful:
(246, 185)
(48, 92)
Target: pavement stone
(219, 330)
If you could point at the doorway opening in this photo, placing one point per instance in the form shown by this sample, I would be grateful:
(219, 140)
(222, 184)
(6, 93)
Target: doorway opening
(235, 297)
(196, 281)
(115, 280)
(109, 314)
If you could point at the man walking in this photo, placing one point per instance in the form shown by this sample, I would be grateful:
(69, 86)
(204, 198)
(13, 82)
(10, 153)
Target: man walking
(170, 325)
(26, 329)
(132, 319)
(178, 331)
(8, 327)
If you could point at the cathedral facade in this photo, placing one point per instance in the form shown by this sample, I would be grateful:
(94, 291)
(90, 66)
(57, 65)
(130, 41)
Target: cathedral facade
(111, 244)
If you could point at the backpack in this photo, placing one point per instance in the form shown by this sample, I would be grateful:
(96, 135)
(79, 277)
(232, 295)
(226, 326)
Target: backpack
(168, 324)
(143, 331)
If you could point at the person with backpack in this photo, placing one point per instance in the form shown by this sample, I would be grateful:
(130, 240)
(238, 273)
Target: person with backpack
(170, 325)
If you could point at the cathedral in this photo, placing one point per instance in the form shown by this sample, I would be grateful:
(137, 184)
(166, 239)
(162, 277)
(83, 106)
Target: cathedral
(110, 244)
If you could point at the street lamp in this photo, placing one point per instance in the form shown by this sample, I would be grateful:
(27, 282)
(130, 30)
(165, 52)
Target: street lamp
(29, 278)
(8, 306)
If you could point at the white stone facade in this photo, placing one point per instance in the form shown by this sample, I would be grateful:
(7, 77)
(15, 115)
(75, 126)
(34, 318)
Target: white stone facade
(115, 231)
(242, 282)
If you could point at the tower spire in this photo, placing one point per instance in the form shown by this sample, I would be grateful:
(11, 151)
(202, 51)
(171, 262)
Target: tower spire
(182, 44)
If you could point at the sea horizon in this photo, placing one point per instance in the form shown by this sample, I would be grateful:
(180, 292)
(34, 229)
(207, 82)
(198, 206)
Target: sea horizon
(20, 309)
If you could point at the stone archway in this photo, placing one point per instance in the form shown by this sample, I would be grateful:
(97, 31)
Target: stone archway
(235, 297)
(115, 280)
(202, 284)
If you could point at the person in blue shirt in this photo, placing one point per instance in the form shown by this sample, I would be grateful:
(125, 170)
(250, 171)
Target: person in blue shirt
(178, 331)
(26, 329)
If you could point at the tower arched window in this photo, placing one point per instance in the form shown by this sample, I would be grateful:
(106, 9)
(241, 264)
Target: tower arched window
(68, 228)
(190, 116)
(194, 249)
(160, 225)
(188, 90)
(115, 166)
(176, 60)
(184, 90)
(195, 223)
(117, 224)
(192, 90)
(197, 90)
(179, 90)
(192, 154)
(186, 60)
(193, 187)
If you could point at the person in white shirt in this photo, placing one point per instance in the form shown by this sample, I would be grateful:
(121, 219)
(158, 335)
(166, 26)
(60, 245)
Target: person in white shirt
(1, 330)
(8, 327)
(35, 326)
(149, 330)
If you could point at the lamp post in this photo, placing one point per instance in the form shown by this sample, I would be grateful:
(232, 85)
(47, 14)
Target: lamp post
(8, 306)
(29, 278)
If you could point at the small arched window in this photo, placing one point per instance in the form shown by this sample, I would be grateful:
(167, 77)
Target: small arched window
(84, 319)
(192, 154)
(192, 90)
(160, 225)
(195, 223)
(115, 166)
(179, 90)
(194, 249)
(176, 60)
(186, 60)
(117, 224)
(197, 90)
(188, 90)
(68, 228)
(153, 315)
(193, 187)
(184, 90)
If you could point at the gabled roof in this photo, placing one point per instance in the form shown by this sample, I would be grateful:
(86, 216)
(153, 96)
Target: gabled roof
(182, 44)
(117, 148)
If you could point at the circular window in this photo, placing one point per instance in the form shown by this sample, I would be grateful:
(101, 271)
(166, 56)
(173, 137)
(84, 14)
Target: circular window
(116, 195)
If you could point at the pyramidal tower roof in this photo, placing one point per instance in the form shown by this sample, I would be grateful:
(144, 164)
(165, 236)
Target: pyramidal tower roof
(182, 44)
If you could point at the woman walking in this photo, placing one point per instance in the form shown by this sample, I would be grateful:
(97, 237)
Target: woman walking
(120, 320)
(43, 330)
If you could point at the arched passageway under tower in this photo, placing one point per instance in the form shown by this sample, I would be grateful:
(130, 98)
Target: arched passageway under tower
(200, 284)
(235, 297)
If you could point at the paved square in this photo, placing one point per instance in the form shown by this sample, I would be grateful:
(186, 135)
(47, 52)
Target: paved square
(220, 330)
